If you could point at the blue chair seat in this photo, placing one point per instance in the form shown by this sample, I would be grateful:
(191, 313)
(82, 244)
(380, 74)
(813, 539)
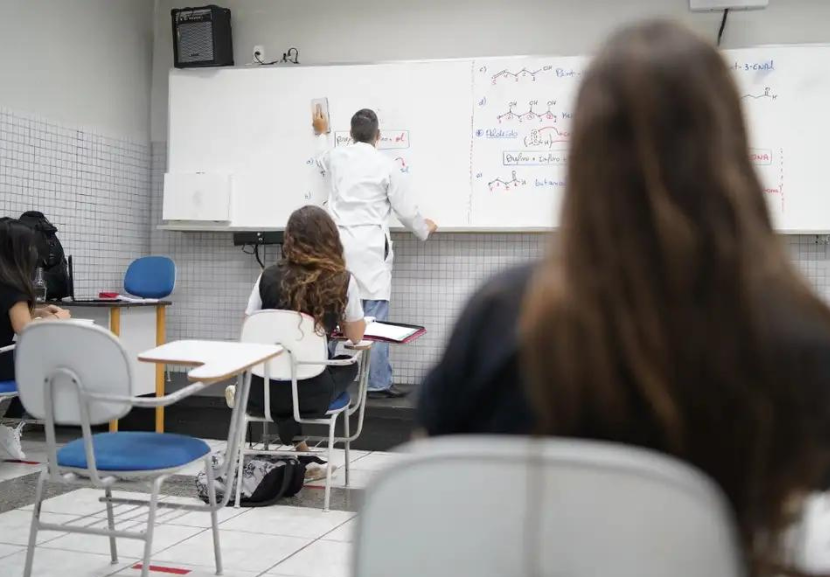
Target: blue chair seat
(8, 387)
(134, 451)
(340, 402)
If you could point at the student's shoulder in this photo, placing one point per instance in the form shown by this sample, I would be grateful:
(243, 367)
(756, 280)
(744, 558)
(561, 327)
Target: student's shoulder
(270, 273)
(500, 298)
(510, 284)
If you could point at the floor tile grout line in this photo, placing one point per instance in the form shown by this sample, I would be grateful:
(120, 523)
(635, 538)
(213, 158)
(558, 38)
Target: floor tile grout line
(22, 549)
(297, 552)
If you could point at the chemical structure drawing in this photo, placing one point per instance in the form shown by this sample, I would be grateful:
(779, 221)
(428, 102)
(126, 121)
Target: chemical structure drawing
(522, 74)
(546, 137)
(766, 94)
(500, 184)
(530, 114)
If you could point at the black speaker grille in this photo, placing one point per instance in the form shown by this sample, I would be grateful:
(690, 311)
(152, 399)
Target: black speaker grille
(195, 42)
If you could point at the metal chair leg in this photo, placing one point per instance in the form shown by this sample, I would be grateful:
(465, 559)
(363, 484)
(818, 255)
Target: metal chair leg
(240, 466)
(327, 502)
(30, 552)
(151, 522)
(111, 525)
(214, 516)
(348, 444)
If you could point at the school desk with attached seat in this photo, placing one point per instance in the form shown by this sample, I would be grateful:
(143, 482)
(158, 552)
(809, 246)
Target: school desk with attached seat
(140, 326)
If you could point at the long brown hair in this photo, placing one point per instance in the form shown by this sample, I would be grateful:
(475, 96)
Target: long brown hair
(314, 279)
(667, 314)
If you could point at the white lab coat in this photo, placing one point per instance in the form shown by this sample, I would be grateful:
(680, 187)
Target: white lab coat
(364, 187)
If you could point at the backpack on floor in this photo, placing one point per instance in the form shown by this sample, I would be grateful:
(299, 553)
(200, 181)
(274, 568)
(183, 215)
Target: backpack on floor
(265, 480)
(50, 254)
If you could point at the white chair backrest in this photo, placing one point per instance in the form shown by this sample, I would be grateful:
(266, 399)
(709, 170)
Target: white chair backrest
(295, 332)
(496, 506)
(92, 353)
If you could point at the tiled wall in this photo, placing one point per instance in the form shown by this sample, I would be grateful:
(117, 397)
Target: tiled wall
(94, 188)
(431, 283)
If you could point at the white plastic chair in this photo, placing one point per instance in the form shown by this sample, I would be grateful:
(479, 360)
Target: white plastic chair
(305, 357)
(496, 506)
(75, 374)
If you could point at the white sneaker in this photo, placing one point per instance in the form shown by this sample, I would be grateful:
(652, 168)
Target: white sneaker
(315, 472)
(230, 395)
(10, 441)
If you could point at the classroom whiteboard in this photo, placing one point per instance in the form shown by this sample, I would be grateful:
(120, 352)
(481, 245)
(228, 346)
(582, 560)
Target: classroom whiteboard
(483, 142)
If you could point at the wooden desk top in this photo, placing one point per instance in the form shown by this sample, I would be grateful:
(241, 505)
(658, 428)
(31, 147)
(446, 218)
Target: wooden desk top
(215, 360)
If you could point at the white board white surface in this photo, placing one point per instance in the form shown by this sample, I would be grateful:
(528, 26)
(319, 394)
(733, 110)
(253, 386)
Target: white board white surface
(483, 142)
(197, 197)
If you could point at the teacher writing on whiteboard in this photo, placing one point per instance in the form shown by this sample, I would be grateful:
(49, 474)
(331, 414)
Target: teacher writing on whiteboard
(364, 188)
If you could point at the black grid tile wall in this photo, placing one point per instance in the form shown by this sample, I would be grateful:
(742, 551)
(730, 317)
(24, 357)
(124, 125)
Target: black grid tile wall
(94, 188)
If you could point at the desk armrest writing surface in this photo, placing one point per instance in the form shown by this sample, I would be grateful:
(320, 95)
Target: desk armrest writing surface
(214, 360)
(108, 304)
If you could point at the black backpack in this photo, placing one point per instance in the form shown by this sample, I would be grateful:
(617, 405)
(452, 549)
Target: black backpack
(50, 254)
(266, 480)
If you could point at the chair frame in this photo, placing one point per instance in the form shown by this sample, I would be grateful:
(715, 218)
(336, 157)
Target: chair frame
(8, 396)
(362, 356)
(153, 479)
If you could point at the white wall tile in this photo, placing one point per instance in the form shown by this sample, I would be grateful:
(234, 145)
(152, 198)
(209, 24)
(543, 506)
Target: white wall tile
(95, 189)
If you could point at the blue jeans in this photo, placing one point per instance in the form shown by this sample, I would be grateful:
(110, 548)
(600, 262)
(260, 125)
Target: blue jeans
(380, 371)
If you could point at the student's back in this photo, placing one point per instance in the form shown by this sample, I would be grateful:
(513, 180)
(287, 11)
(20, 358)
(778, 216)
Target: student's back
(670, 316)
(667, 314)
(360, 176)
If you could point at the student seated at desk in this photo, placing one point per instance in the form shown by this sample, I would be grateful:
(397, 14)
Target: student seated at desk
(18, 260)
(667, 314)
(310, 278)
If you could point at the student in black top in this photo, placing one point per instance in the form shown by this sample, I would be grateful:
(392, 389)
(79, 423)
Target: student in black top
(668, 315)
(18, 258)
(477, 387)
(310, 278)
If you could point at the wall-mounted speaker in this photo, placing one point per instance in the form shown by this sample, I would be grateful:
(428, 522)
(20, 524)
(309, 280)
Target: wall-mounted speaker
(202, 37)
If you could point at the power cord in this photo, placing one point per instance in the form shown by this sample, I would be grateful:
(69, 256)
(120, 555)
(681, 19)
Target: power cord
(292, 56)
(253, 250)
(723, 25)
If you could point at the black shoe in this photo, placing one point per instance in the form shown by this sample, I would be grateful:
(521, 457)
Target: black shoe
(392, 392)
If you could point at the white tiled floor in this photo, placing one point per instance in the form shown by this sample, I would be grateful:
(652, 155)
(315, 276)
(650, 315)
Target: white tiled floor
(262, 542)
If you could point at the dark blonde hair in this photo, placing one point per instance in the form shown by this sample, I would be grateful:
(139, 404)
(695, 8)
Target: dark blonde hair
(668, 314)
(314, 279)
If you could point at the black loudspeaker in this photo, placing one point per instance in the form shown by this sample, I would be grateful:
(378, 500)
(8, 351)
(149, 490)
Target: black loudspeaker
(202, 37)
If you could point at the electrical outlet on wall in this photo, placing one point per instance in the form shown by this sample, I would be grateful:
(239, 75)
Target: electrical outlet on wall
(258, 53)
